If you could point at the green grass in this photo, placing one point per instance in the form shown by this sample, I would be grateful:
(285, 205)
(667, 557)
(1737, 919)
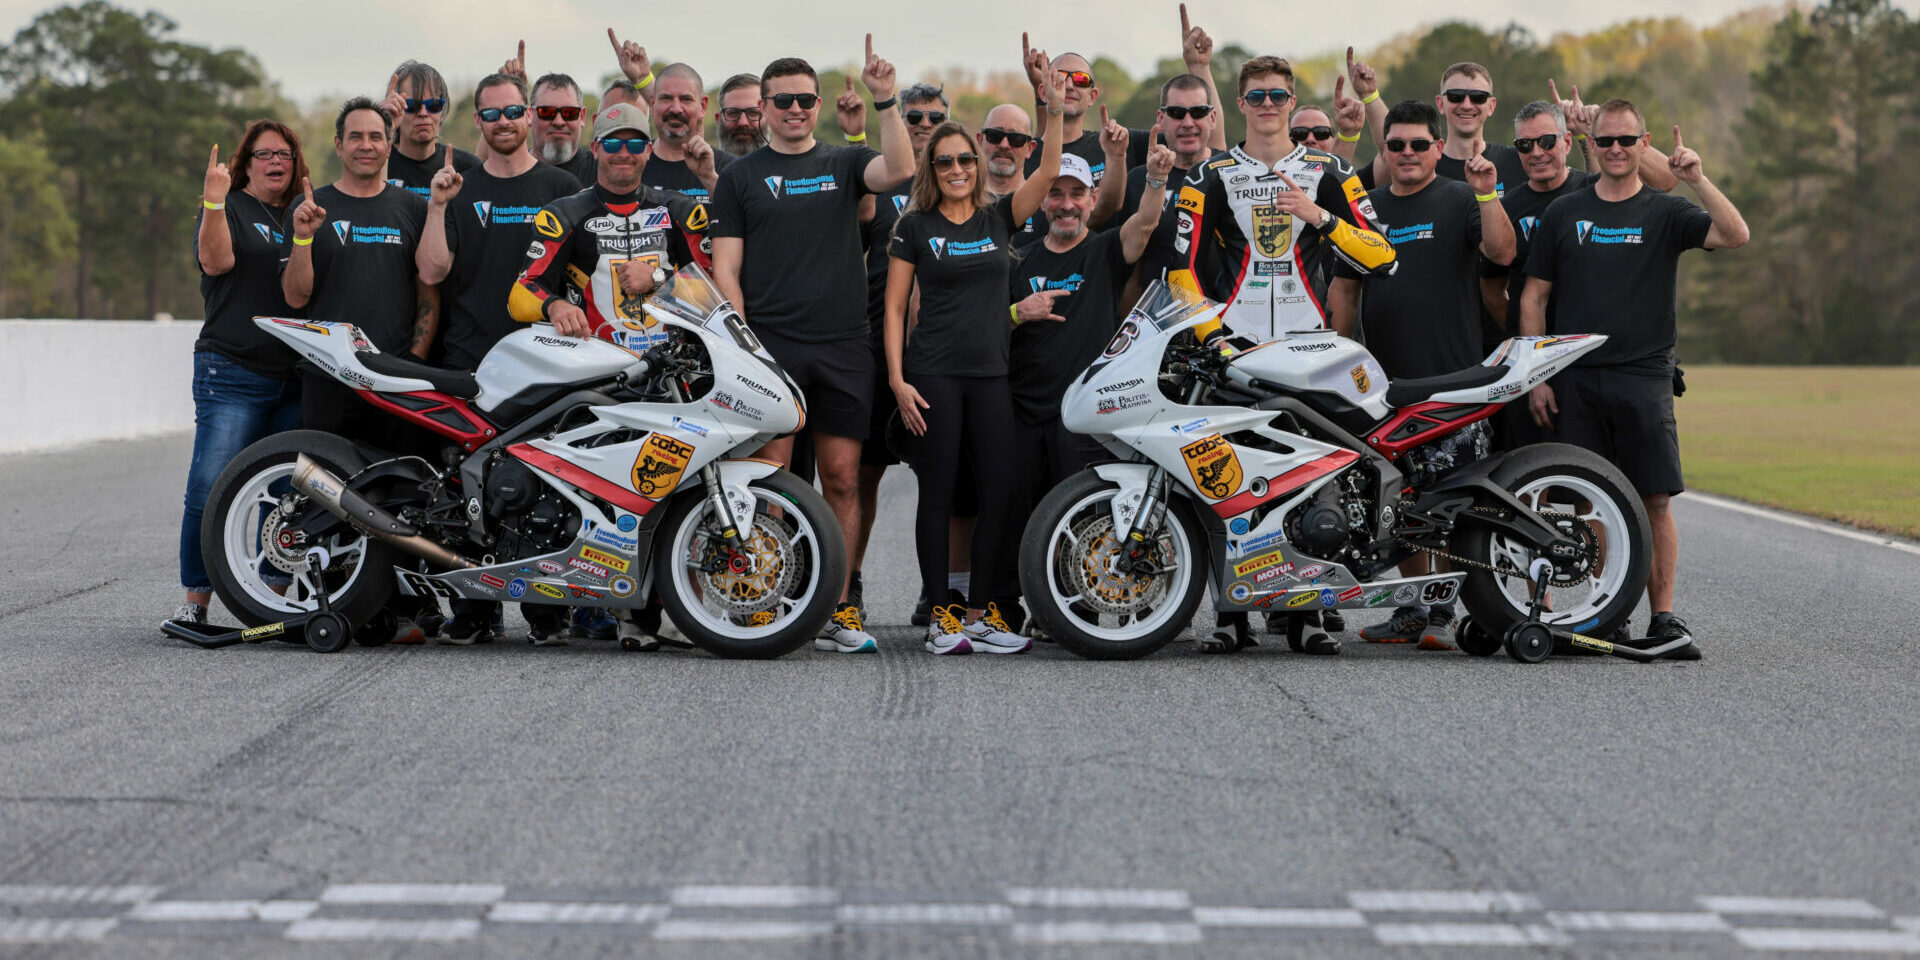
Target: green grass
(1835, 442)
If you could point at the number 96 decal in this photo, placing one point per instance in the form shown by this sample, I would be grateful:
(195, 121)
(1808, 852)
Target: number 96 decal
(1439, 591)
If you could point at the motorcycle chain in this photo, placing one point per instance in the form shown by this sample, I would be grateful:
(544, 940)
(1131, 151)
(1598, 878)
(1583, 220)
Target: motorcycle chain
(1507, 571)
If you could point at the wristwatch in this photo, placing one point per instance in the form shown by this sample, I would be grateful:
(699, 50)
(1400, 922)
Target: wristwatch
(659, 277)
(1326, 219)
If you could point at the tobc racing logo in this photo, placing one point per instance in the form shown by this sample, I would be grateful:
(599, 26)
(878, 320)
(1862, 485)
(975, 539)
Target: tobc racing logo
(658, 466)
(1214, 466)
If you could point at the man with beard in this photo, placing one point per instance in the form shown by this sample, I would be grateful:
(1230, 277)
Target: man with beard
(556, 127)
(416, 105)
(477, 230)
(741, 125)
(682, 160)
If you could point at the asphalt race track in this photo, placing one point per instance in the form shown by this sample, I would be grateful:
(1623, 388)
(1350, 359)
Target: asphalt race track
(158, 800)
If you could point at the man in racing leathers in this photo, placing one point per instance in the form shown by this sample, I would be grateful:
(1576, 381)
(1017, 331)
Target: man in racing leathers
(1248, 220)
(594, 253)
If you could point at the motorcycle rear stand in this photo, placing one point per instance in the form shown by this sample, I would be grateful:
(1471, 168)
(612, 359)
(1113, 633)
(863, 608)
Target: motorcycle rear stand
(1532, 641)
(323, 630)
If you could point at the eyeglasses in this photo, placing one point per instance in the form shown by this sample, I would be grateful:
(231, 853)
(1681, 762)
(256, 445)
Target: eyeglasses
(272, 154)
(1181, 113)
(997, 136)
(1397, 145)
(1544, 142)
(1255, 98)
(569, 114)
(733, 114)
(933, 117)
(1079, 78)
(633, 145)
(946, 161)
(1477, 96)
(512, 111)
(431, 105)
(1301, 134)
(782, 101)
(1624, 140)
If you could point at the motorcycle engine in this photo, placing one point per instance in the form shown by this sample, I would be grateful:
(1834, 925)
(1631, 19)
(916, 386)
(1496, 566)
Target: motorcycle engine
(1339, 519)
(527, 516)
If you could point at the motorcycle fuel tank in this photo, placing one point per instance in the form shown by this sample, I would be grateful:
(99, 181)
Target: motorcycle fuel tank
(1320, 362)
(540, 357)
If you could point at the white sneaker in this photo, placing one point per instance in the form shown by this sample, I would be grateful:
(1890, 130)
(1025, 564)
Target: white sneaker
(945, 633)
(843, 634)
(990, 634)
(634, 638)
(191, 613)
(671, 635)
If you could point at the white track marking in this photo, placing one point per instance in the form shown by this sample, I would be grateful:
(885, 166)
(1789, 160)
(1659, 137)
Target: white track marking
(1080, 897)
(415, 893)
(1863, 941)
(753, 896)
(1638, 921)
(739, 929)
(50, 930)
(928, 913)
(270, 911)
(1442, 901)
(1795, 520)
(1468, 935)
(532, 911)
(382, 929)
(23, 894)
(1278, 917)
(1088, 931)
(1793, 907)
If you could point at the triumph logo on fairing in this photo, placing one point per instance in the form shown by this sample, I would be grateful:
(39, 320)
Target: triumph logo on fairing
(555, 341)
(1124, 385)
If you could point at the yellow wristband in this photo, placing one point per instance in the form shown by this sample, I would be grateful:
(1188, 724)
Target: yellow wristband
(642, 85)
(1013, 310)
(1487, 197)
(308, 242)
(859, 138)
(1343, 138)
(1579, 136)
(210, 205)
(1371, 97)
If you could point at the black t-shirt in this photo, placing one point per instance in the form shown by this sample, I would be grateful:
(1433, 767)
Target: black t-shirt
(1087, 147)
(489, 225)
(1048, 354)
(583, 168)
(886, 212)
(1524, 205)
(1159, 254)
(1364, 171)
(363, 270)
(1509, 172)
(962, 270)
(675, 175)
(416, 176)
(1613, 267)
(800, 217)
(250, 288)
(1424, 320)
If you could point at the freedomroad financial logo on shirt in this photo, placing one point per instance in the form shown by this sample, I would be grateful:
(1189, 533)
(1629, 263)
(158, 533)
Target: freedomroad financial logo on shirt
(346, 232)
(939, 245)
(899, 204)
(1419, 231)
(942, 248)
(1588, 233)
(1526, 227)
(1071, 283)
(783, 187)
(490, 214)
(269, 234)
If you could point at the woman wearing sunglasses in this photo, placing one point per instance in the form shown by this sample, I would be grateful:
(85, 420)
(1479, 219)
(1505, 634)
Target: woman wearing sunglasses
(951, 380)
(243, 382)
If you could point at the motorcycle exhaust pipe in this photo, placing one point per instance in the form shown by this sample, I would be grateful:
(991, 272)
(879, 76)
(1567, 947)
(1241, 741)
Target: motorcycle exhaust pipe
(314, 480)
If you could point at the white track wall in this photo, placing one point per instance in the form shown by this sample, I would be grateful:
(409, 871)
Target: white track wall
(67, 382)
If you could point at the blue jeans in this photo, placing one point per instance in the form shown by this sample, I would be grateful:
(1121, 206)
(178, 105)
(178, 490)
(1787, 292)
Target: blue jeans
(232, 408)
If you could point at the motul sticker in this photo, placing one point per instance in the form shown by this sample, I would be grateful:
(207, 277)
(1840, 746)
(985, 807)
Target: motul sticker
(1214, 466)
(657, 468)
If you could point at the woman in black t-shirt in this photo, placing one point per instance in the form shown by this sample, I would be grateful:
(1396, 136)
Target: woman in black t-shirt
(243, 382)
(951, 379)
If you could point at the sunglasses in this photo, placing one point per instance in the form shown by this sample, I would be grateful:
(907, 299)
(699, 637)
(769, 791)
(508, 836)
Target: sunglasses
(934, 117)
(734, 114)
(1544, 142)
(1419, 146)
(1477, 96)
(1624, 140)
(568, 114)
(782, 101)
(997, 136)
(1181, 113)
(1302, 134)
(946, 161)
(272, 154)
(633, 145)
(1255, 98)
(430, 105)
(1079, 78)
(513, 111)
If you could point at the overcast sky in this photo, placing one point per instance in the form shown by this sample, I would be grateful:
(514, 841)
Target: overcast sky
(359, 41)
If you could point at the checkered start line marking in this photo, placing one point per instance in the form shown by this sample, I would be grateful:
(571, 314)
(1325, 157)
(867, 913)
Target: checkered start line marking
(458, 911)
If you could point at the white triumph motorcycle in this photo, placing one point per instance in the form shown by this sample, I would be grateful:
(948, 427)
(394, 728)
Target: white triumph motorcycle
(1288, 478)
(584, 472)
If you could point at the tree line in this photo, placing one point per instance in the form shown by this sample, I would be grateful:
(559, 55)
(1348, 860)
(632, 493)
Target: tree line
(1807, 118)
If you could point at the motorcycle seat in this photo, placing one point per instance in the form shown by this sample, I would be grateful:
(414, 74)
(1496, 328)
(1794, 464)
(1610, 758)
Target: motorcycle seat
(454, 383)
(1406, 393)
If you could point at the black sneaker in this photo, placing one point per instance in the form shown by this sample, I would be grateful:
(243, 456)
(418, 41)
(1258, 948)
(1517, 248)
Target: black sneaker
(1667, 627)
(594, 623)
(857, 592)
(1332, 622)
(431, 622)
(1439, 632)
(1014, 615)
(1405, 626)
(465, 632)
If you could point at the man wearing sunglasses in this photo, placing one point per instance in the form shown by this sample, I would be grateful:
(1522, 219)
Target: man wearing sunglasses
(787, 252)
(557, 122)
(682, 159)
(1466, 100)
(1607, 259)
(1247, 222)
(1185, 122)
(416, 104)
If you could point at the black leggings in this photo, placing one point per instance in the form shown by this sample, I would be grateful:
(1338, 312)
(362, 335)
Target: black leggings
(969, 421)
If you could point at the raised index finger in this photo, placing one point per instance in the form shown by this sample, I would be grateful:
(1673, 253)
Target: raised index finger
(522, 55)
(869, 46)
(214, 159)
(1185, 27)
(1339, 86)
(1553, 89)
(306, 186)
(1349, 59)
(393, 83)
(1677, 145)
(615, 40)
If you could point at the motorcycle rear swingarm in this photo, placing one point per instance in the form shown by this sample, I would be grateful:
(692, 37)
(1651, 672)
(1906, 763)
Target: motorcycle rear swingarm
(323, 629)
(1531, 641)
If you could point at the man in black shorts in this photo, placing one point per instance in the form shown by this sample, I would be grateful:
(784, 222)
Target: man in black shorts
(1608, 258)
(786, 251)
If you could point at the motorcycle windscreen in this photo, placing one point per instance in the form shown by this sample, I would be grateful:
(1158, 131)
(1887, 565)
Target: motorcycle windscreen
(1162, 306)
(691, 295)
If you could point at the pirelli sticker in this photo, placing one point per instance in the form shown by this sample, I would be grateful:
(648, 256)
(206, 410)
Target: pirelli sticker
(1190, 199)
(605, 559)
(546, 224)
(1258, 563)
(1214, 466)
(657, 468)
